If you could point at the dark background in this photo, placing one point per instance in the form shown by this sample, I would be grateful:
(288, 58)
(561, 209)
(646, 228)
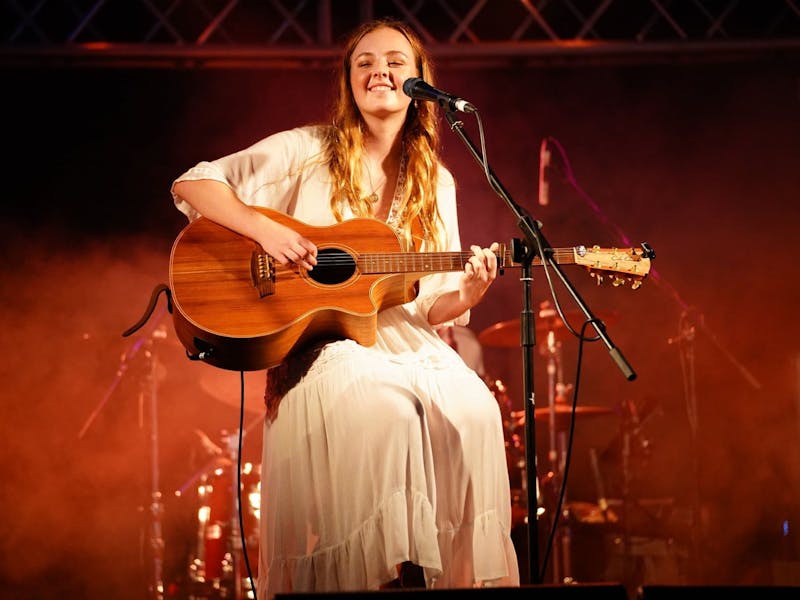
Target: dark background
(699, 160)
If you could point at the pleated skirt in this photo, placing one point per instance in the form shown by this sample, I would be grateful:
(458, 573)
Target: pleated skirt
(376, 458)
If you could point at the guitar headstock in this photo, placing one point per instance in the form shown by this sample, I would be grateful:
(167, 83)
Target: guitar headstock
(619, 265)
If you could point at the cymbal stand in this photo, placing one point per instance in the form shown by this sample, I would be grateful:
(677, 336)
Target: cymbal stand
(156, 587)
(234, 556)
(145, 344)
(685, 340)
(555, 395)
(627, 556)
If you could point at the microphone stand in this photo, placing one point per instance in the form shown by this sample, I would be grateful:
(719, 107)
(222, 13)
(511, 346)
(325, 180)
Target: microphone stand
(524, 253)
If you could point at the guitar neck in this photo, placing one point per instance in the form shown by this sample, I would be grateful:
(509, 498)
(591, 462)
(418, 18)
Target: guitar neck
(439, 262)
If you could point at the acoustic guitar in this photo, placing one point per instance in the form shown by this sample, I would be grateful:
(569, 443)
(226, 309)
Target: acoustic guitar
(237, 308)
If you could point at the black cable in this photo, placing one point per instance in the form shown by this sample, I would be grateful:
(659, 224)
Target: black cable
(242, 533)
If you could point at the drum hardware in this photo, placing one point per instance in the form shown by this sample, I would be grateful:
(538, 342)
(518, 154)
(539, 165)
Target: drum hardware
(628, 445)
(685, 341)
(557, 415)
(145, 346)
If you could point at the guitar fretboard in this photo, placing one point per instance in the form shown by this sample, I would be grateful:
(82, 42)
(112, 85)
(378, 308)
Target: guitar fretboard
(433, 262)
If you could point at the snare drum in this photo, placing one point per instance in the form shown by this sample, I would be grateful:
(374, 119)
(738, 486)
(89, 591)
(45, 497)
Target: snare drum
(217, 519)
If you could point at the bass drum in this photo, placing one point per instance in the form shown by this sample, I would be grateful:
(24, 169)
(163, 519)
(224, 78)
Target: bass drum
(211, 566)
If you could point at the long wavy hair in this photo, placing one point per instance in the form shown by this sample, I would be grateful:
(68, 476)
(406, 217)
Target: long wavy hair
(345, 146)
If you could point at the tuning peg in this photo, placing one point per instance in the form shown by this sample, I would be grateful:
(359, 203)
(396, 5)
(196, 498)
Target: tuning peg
(647, 251)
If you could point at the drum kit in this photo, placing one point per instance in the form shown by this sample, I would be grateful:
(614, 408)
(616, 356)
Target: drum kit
(223, 559)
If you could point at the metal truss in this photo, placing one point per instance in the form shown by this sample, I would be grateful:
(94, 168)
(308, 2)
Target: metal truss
(287, 33)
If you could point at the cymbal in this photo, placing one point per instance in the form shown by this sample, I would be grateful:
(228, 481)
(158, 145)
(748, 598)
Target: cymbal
(506, 334)
(587, 512)
(563, 414)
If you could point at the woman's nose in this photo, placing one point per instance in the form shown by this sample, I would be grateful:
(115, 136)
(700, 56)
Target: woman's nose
(380, 70)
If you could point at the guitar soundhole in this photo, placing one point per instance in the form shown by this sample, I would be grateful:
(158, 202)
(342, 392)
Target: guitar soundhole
(333, 266)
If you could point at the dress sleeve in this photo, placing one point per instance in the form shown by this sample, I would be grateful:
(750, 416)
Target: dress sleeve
(433, 286)
(265, 174)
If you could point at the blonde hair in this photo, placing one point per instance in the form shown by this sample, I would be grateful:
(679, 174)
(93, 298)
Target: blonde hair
(345, 142)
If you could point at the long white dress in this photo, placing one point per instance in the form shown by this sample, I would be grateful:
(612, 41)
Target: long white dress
(380, 454)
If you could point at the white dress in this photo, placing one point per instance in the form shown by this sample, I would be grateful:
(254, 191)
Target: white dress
(380, 454)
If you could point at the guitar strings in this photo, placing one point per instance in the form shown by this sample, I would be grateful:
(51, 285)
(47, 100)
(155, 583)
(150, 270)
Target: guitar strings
(345, 258)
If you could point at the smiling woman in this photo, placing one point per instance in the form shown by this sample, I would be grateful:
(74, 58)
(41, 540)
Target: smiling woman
(384, 463)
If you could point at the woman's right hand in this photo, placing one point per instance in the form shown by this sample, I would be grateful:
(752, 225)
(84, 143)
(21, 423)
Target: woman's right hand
(286, 246)
(217, 201)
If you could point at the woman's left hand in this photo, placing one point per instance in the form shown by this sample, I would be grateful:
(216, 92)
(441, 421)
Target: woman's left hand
(479, 273)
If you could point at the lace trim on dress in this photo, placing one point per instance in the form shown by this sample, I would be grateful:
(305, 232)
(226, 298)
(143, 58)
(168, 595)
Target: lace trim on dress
(394, 211)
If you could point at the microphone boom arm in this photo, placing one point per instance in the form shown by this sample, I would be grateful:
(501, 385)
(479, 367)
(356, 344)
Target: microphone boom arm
(537, 244)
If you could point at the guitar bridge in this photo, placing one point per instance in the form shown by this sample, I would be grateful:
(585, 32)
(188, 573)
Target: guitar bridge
(262, 273)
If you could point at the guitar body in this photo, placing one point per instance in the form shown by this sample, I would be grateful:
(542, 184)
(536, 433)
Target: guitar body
(239, 310)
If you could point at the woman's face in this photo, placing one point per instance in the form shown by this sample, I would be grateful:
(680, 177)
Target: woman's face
(381, 61)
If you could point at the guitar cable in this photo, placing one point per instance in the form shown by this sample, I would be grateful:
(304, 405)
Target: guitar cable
(242, 533)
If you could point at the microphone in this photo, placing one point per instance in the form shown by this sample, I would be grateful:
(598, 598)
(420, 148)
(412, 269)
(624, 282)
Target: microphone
(417, 89)
(544, 184)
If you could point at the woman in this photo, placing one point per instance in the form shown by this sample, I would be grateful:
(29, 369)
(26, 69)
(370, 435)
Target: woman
(373, 457)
